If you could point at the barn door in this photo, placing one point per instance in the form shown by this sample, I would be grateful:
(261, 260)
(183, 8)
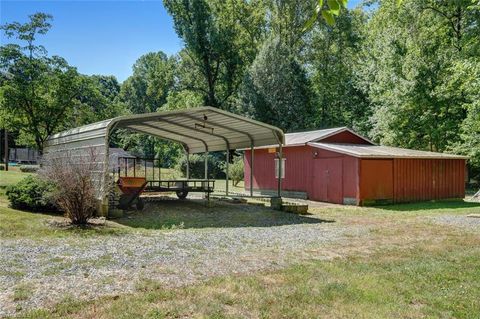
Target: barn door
(327, 183)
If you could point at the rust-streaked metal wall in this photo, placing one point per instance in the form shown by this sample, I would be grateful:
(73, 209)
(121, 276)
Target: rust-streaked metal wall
(363, 181)
(376, 181)
(428, 179)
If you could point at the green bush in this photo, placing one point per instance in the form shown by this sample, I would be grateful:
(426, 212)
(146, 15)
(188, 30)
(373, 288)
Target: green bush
(235, 170)
(28, 168)
(32, 194)
(2, 167)
(197, 166)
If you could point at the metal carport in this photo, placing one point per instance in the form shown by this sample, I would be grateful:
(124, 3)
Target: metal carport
(202, 129)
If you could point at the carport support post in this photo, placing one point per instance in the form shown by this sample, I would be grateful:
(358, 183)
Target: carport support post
(188, 165)
(206, 165)
(279, 170)
(251, 170)
(226, 172)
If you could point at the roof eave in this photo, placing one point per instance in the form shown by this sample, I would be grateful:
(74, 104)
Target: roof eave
(336, 150)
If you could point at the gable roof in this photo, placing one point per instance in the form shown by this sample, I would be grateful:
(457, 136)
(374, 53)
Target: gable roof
(377, 151)
(299, 138)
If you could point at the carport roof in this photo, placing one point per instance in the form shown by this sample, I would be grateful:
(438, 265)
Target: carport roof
(378, 151)
(197, 129)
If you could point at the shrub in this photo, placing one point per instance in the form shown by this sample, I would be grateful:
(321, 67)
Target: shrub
(197, 166)
(32, 194)
(72, 175)
(235, 170)
(2, 167)
(28, 168)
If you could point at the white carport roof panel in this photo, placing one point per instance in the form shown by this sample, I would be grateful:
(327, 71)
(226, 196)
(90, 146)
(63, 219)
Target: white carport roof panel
(220, 130)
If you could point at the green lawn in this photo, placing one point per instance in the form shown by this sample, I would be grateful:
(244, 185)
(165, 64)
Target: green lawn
(11, 177)
(406, 267)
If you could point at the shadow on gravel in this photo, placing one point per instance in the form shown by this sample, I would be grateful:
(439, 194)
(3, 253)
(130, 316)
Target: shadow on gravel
(191, 213)
(447, 204)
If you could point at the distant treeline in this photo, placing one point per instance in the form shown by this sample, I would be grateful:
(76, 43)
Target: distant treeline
(403, 75)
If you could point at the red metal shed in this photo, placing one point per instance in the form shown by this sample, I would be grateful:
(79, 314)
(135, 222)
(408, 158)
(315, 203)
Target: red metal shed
(339, 166)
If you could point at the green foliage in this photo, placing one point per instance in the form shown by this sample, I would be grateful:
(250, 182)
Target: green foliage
(236, 169)
(219, 38)
(334, 55)
(197, 166)
(328, 10)
(276, 89)
(98, 100)
(411, 58)
(147, 88)
(32, 194)
(38, 92)
(29, 168)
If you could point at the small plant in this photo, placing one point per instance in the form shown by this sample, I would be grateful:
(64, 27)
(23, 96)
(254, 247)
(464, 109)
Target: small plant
(73, 177)
(236, 170)
(28, 168)
(2, 167)
(32, 194)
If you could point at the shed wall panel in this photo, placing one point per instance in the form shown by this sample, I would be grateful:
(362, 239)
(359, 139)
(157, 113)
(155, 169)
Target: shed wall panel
(298, 165)
(376, 180)
(428, 179)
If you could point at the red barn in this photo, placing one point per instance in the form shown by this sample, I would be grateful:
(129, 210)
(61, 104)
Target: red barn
(339, 166)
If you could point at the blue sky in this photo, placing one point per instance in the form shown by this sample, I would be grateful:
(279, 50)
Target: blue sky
(101, 37)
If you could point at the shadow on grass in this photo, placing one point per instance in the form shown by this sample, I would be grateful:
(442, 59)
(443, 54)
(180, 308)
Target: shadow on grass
(171, 214)
(447, 204)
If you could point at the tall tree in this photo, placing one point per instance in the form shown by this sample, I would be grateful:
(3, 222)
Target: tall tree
(333, 54)
(220, 39)
(147, 88)
(410, 53)
(39, 92)
(98, 100)
(276, 89)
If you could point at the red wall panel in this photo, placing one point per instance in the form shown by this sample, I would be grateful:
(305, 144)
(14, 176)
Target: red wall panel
(376, 180)
(428, 179)
(299, 165)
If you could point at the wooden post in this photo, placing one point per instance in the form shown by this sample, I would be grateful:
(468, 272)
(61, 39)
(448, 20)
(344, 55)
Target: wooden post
(251, 170)
(226, 172)
(6, 150)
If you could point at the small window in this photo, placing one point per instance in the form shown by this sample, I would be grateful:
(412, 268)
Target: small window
(283, 168)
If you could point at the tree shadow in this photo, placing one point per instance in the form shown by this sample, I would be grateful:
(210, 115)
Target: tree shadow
(433, 205)
(191, 213)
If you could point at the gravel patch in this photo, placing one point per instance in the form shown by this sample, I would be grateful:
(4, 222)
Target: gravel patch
(50, 270)
(464, 221)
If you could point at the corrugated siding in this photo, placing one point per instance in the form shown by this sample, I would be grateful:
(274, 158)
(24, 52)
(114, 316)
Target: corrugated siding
(428, 179)
(297, 169)
(376, 180)
(299, 175)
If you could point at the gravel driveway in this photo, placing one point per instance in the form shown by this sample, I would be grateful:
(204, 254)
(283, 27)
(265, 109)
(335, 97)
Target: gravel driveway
(39, 273)
(472, 223)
